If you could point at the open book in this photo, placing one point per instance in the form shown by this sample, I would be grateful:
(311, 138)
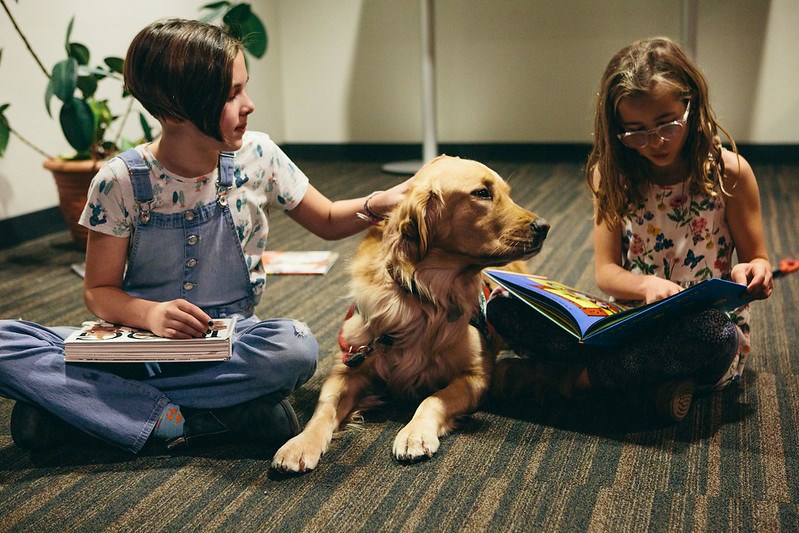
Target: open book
(282, 262)
(101, 342)
(597, 321)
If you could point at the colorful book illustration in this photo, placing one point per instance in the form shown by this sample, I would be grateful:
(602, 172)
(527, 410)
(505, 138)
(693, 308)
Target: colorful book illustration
(597, 321)
(99, 342)
(282, 262)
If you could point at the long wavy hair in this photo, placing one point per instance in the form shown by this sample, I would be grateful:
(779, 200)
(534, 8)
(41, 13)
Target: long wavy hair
(638, 70)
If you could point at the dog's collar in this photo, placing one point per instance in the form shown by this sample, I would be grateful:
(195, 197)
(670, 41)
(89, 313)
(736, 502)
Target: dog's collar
(354, 356)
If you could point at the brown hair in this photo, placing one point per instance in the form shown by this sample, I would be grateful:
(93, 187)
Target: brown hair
(636, 70)
(182, 70)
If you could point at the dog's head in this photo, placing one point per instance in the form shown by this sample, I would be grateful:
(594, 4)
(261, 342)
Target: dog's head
(460, 212)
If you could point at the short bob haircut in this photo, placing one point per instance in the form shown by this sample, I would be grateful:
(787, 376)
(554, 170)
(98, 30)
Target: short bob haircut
(182, 70)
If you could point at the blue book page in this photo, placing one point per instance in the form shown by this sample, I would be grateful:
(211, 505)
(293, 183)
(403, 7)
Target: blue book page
(573, 310)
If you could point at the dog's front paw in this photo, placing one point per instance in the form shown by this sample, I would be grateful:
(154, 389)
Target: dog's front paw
(414, 442)
(297, 455)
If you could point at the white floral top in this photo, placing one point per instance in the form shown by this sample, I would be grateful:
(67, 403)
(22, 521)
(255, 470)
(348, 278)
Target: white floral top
(264, 178)
(684, 238)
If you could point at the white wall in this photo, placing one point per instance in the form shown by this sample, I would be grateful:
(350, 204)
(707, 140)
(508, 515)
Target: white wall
(349, 70)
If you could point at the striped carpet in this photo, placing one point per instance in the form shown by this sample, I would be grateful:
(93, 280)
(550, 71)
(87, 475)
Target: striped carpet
(599, 465)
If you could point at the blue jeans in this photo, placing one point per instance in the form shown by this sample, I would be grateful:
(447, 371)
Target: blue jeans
(269, 357)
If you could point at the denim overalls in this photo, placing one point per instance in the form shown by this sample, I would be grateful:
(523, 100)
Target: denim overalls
(194, 255)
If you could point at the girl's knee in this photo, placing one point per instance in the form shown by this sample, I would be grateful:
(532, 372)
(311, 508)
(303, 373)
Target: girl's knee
(285, 345)
(716, 330)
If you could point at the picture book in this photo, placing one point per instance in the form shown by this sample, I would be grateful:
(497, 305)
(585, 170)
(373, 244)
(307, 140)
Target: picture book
(99, 342)
(597, 321)
(282, 262)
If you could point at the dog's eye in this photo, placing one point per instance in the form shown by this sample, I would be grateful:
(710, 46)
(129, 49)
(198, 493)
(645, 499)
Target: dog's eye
(482, 193)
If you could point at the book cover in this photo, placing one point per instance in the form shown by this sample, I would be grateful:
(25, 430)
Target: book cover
(595, 320)
(282, 262)
(98, 341)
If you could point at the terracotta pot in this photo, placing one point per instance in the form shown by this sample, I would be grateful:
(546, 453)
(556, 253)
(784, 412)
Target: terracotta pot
(72, 179)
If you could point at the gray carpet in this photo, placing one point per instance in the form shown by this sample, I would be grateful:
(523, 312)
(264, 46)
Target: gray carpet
(599, 465)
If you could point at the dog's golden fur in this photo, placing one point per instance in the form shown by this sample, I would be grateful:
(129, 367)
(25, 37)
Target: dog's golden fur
(416, 279)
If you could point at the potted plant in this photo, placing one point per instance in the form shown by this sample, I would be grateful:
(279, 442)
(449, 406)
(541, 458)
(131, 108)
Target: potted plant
(86, 120)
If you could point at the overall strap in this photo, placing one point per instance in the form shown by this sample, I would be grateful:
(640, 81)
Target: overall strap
(226, 168)
(224, 181)
(139, 175)
(140, 179)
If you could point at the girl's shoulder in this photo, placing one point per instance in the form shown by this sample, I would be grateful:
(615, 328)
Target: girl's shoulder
(736, 168)
(116, 169)
(256, 145)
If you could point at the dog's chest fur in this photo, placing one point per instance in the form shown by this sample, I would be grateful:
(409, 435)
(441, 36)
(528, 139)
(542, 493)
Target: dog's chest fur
(430, 341)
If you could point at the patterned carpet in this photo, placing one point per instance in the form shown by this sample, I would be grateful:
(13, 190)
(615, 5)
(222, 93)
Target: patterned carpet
(582, 465)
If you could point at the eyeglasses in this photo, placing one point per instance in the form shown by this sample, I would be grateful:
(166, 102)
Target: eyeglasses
(666, 132)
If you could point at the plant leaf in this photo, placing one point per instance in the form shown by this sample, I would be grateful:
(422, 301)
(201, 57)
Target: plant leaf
(87, 85)
(247, 26)
(116, 64)
(145, 126)
(65, 79)
(215, 10)
(77, 123)
(48, 96)
(69, 33)
(254, 37)
(5, 130)
(78, 51)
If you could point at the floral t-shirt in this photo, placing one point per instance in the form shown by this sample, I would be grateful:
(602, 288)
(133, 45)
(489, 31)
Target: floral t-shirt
(264, 178)
(684, 238)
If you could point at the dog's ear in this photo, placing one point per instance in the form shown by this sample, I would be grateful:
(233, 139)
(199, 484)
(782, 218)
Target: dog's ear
(411, 230)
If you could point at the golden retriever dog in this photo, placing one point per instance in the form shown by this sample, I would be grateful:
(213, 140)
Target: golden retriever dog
(416, 288)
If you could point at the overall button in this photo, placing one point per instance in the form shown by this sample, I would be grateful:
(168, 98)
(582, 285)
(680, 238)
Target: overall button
(188, 286)
(189, 215)
(191, 263)
(191, 240)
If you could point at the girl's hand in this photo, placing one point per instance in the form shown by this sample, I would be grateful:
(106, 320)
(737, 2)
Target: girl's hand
(385, 201)
(757, 277)
(657, 289)
(178, 319)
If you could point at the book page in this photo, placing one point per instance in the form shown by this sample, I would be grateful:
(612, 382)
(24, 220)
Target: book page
(574, 310)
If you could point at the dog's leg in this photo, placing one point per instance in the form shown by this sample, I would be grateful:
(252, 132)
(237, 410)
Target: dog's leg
(336, 400)
(435, 416)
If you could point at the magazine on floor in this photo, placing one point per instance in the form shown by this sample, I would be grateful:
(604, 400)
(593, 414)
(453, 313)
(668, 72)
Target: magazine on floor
(284, 262)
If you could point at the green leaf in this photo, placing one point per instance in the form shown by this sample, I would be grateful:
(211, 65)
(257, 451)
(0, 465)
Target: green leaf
(65, 79)
(77, 123)
(116, 64)
(247, 26)
(79, 52)
(215, 5)
(69, 34)
(87, 85)
(48, 96)
(253, 35)
(215, 11)
(145, 126)
(237, 14)
(5, 130)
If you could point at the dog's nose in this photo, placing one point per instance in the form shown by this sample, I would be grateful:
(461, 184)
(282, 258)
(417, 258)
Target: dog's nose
(541, 228)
